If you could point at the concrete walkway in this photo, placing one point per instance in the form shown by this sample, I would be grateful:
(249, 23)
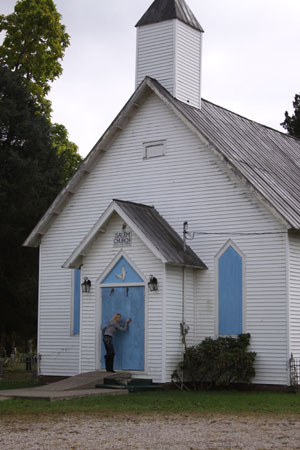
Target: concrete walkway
(82, 385)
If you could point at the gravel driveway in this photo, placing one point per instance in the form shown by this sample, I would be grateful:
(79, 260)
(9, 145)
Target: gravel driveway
(168, 432)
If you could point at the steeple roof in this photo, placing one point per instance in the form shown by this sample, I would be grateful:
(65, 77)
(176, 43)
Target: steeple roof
(162, 10)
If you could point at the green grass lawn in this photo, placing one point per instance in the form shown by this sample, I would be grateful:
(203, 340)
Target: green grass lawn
(224, 402)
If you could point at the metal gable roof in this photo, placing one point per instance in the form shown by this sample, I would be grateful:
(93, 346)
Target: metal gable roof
(161, 234)
(267, 158)
(162, 10)
(152, 229)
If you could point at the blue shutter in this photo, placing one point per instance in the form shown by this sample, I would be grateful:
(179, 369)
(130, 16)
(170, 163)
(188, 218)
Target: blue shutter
(76, 299)
(230, 292)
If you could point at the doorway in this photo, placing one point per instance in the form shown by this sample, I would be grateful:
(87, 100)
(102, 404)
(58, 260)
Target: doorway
(128, 299)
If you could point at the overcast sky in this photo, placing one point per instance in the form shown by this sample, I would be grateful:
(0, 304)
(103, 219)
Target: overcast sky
(251, 60)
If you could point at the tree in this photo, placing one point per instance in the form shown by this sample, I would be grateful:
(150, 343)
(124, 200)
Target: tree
(34, 43)
(31, 175)
(36, 157)
(292, 123)
(67, 151)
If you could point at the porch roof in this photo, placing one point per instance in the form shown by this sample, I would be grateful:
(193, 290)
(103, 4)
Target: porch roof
(161, 234)
(152, 229)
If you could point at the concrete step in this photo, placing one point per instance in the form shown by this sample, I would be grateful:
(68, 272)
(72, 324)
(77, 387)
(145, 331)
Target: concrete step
(144, 388)
(82, 385)
(57, 395)
(82, 381)
(130, 384)
(111, 386)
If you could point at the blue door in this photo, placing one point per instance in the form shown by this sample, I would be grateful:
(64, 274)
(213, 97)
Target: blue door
(129, 301)
(129, 345)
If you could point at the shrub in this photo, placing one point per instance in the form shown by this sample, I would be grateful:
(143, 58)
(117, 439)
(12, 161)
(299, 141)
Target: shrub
(217, 362)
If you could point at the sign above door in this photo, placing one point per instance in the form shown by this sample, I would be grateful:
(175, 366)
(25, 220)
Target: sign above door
(123, 239)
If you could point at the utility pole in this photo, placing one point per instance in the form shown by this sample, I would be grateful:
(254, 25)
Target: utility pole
(185, 231)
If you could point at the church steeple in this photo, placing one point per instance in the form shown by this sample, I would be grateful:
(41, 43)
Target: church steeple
(169, 48)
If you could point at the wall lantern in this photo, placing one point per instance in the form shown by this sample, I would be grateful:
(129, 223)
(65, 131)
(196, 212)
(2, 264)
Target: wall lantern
(153, 283)
(86, 285)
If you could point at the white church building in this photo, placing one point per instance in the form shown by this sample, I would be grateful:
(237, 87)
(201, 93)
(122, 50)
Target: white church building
(168, 158)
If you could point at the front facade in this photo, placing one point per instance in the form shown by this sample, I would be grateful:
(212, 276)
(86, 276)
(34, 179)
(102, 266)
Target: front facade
(239, 271)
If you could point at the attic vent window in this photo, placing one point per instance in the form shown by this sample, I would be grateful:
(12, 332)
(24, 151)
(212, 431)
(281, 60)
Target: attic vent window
(154, 149)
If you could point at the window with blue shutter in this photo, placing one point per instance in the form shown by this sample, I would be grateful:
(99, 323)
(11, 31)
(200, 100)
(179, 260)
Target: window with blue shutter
(230, 269)
(76, 301)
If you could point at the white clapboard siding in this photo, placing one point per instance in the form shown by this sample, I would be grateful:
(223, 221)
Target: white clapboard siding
(188, 64)
(294, 285)
(190, 304)
(155, 53)
(173, 299)
(98, 259)
(178, 309)
(188, 183)
(170, 52)
(57, 347)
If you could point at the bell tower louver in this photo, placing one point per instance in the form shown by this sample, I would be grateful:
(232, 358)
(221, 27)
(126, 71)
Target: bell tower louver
(169, 49)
